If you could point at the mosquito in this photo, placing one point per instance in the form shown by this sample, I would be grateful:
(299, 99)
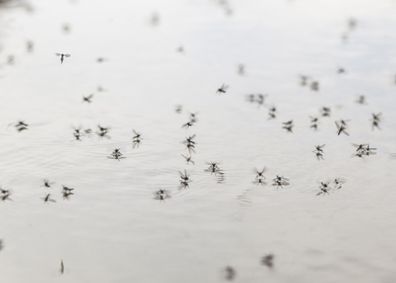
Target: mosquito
(48, 198)
(62, 56)
(341, 127)
(268, 260)
(47, 183)
(88, 98)
(230, 273)
(324, 188)
(162, 194)
(116, 154)
(188, 159)
(288, 126)
(21, 126)
(222, 89)
(280, 181)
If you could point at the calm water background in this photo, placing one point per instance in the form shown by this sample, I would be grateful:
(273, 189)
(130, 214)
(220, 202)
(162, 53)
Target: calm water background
(112, 230)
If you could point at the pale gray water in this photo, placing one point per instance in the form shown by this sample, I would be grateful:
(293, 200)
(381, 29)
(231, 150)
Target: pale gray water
(112, 230)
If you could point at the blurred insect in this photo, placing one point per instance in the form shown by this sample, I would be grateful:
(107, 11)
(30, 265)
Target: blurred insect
(341, 127)
(47, 183)
(116, 154)
(213, 167)
(101, 59)
(229, 273)
(338, 182)
(5, 194)
(136, 139)
(10, 59)
(268, 260)
(62, 267)
(324, 188)
(361, 99)
(88, 98)
(341, 70)
(103, 131)
(62, 56)
(180, 49)
(319, 151)
(155, 19)
(363, 150)
(67, 192)
(288, 126)
(77, 134)
(280, 181)
(325, 111)
(375, 120)
(29, 46)
(241, 69)
(184, 179)
(48, 198)
(66, 28)
(222, 89)
(21, 126)
(260, 178)
(190, 143)
(303, 80)
(178, 109)
(314, 123)
(352, 23)
(161, 194)
(188, 124)
(188, 159)
(272, 113)
(315, 86)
